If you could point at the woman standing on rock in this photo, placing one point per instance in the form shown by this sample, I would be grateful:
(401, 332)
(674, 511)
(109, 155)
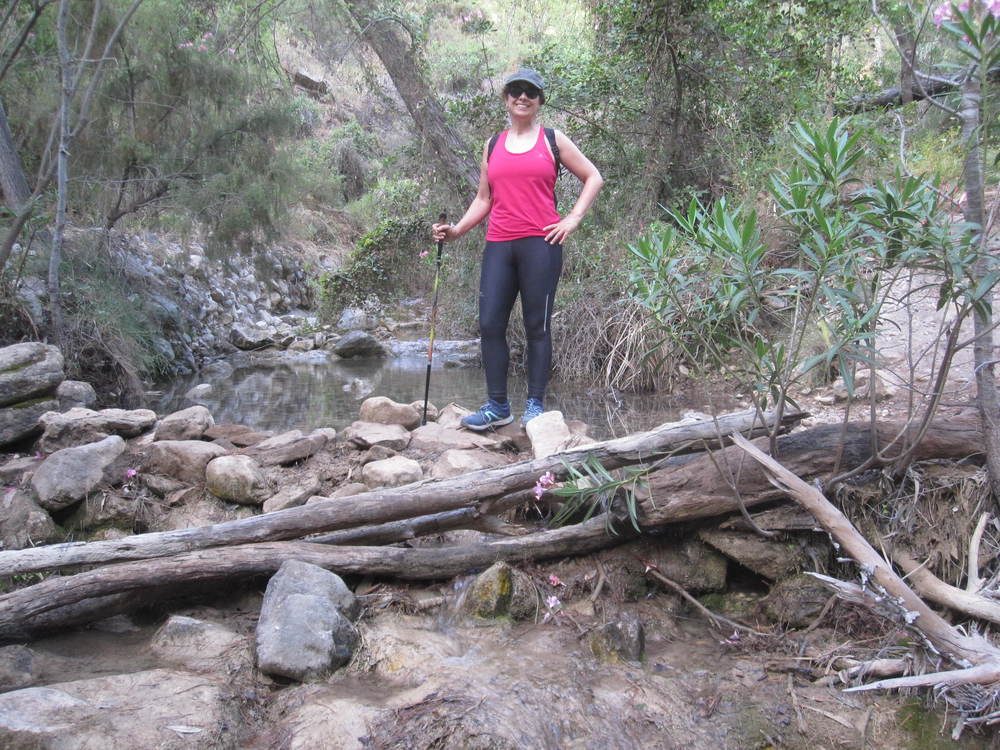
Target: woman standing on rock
(524, 240)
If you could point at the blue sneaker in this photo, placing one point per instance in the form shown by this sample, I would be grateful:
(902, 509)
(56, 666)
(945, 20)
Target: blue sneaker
(533, 408)
(490, 414)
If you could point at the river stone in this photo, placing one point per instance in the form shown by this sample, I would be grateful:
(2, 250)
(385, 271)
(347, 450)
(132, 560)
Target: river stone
(435, 437)
(23, 523)
(237, 434)
(502, 591)
(303, 632)
(21, 421)
(28, 371)
(432, 411)
(376, 453)
(549, 434)
(797, 601)
(74, 394)
(158, 708)
(80, 426)
(249, 337)
(17, 668)
(182, 459)
(201, 646)
(69, 475)
(358, 344)
(286, 448)
(391, 472)
(294, 493)
(386, 411)
(367, 434)
(236, 479)
(624, 639)
(454, 462)
(346, 490)
(186, 424)
(773, 559)
(196, 507)
(301, 344)
(451, 416)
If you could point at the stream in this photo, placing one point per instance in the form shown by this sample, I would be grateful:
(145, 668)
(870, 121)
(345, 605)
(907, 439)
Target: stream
(284, 391)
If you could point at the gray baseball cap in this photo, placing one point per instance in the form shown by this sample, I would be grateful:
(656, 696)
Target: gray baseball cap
(528, 76)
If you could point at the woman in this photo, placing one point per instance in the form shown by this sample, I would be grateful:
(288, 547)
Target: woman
(524, 241)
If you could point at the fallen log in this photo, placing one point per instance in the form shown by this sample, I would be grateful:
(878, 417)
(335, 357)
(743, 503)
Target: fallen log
(19, 610)
(380, 506)
(700, 488)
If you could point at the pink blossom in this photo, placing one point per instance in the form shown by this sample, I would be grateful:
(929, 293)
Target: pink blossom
(231, 51)
(202, 48)
(545, 481)
(552, 602)
(943, 13)
(424, 253)
(207, 35)
(993, 8)
(964, 6)
(554, 580)
(131, 473)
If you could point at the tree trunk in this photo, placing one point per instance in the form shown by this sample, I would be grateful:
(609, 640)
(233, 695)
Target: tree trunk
(401, 57)
(380, 506)
(66, 88)
(19, 609)
(907, 47)
(13, 182)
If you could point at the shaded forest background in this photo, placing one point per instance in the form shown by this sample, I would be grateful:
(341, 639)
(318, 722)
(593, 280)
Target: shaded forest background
(194, 119)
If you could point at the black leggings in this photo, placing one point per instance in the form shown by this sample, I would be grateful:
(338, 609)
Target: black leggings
(529, 266)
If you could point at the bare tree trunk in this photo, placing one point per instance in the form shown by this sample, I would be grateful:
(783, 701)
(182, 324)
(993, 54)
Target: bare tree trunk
(13, 182)
(401, 57)
(907, 47)
(66, 88)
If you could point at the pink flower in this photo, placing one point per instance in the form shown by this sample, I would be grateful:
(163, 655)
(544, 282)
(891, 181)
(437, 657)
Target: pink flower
(202, 48)
(554, 580)
(942, 13)
(552, 602)
(207, 35)
(993, 8)
(231, 51)
(131, 473)
(424, 254)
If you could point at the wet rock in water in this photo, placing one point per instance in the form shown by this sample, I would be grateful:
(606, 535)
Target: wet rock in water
(23, 523)
(384, 410)
(22, 420)
(160, 708)
(182, 459)
(550, 434)
(237, 479)
(391, 472)
(249, 337)
(304, 630)
(771, 558)
(292, 494)
(432, 411)
(69, 475)
(29, 371)
(186, 424)
(796, 601)
(17, 668)
(74, 394)
(502, 591)
(286, 448)
(201, 646)
(81, 426)
(623, 639)
(453, 462)
(434, 437)
(237, 434)
(451, 416)
(358, 344)
(199, 392)
(367, 434)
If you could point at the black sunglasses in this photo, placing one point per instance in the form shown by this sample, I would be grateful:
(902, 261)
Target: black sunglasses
(516, 89)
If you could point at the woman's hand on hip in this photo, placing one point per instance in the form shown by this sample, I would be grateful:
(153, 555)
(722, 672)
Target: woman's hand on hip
(556, 234)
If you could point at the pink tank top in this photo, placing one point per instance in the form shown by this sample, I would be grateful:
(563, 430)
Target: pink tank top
(522, 186)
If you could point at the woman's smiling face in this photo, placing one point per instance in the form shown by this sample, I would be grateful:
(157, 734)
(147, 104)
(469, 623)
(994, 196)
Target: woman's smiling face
(521, 104)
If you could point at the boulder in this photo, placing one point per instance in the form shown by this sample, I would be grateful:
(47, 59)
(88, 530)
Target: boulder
(356, 319)
(623, 638)
(347, 490)
(367, 434)
(194, 507)
(432, 411)
(303, 631)
(772, 558)
(249, 337)
(23, 523)
(186, 424)
(451, 416)
(293, 494)
(28, 371)
(69, 475)
(158, 708)
(549, 434)
(22, 420)
(237, 434)
(358, 344)
(454, 462)
(73, 394)
(376, 453)
(120, 510)
(391, 472)
(17, 668)
(237, 479)
(199, 393)
(184, 460)
(302, 345)
(80, 426)
(501, 591)
(286, 448)
(13, 472)
(435, 437)
(384, 410)
(201, 646)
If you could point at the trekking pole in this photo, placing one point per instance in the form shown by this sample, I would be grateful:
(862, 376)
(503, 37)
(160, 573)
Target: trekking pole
(434, 309)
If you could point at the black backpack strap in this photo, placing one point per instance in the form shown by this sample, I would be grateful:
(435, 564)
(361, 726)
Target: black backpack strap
(493, 145)
(550, 136)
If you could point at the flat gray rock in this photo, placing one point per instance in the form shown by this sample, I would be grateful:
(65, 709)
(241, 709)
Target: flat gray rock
(69, 475)
(358, 344)
(22, 420)
(28, 371)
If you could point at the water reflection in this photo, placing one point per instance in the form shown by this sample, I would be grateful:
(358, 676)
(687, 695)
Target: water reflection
(288, 392)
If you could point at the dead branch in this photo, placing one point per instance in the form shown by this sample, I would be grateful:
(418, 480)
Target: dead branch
(929, 585)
